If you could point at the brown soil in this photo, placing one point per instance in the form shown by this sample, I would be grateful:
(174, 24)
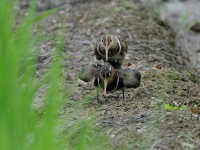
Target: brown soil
(142, 121)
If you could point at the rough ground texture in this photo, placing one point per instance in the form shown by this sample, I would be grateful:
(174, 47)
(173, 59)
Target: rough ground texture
(143, 121)
(184, 18)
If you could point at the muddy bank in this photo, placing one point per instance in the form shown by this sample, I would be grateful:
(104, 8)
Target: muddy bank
(184, 18)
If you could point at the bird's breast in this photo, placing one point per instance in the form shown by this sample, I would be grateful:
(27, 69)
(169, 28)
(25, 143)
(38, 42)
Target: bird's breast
(112, 87)
(112, 51)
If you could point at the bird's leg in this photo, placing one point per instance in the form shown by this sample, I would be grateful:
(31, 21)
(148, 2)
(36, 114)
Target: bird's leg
(97, 94)
(123, 91)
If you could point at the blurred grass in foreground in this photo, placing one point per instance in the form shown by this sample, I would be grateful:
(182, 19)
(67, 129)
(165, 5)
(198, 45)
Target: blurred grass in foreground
(20, 126)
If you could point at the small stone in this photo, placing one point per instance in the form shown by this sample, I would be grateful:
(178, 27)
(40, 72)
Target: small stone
(61, 12)
(81, 82)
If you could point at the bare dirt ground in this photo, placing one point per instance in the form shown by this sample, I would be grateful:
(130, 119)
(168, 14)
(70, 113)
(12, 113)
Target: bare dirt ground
(142, 121)
(183, 17)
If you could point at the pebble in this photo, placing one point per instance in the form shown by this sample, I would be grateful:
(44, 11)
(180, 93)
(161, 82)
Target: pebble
(81, 82)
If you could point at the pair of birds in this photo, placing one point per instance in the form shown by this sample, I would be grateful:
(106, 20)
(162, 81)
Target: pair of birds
(109, 75)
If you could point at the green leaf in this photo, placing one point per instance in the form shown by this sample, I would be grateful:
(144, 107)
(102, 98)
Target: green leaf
(46, 13)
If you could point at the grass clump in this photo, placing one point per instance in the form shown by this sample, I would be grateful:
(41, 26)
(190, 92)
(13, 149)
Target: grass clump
(169, 107)
(172, 76)
(20, 126)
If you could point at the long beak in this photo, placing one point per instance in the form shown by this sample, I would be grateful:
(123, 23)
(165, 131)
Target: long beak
(106, 53)
(105, 87)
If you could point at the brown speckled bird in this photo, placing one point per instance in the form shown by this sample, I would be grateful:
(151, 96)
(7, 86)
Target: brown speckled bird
(109, 48)
(111, 79)
(108, 78)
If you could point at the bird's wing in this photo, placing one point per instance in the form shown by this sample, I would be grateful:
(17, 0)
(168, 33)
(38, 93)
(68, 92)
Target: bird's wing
(124, 47)
(131, 78)
(96, 53)
(90, 71)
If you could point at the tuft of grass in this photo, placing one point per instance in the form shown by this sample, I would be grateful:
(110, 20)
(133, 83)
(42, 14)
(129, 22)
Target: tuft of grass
(169, 107)
(20, 126)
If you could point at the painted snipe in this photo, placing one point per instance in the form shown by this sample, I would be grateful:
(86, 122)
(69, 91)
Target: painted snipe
(109, 79)
(109, 48)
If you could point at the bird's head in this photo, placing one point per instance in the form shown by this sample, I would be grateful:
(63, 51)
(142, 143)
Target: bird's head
(107, 74)
(106, 42)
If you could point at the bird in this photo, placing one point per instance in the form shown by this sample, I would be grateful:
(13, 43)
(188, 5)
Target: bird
(90, 71)
(110, 49)
(194, 105)
(111, 79)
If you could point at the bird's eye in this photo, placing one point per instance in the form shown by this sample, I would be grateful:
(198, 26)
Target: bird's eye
(102, 40)
(110, 41)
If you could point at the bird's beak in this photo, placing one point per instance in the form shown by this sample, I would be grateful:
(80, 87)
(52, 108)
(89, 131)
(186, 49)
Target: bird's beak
(106, 53)
(105, 87)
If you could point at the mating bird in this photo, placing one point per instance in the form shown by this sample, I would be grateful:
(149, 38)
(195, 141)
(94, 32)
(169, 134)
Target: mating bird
(194, 106)
(89, 72)
(110, 49)
(109, 79)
